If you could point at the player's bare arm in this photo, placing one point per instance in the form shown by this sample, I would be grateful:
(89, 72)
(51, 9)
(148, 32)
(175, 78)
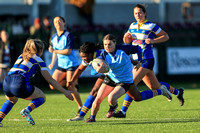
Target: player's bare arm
(162, 37)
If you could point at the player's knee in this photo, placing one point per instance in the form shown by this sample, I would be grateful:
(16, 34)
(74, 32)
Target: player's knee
(13, 101)
(112, 100)
(137, 99)
(98, 101)
(51, 87)
(94, 92)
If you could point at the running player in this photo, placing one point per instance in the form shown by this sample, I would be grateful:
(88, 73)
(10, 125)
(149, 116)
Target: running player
(144, 34)
(119, 79)
(88, 52)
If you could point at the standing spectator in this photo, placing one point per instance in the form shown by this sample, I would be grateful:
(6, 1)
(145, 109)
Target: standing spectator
(7, 54)
(37, 32)
(47, 27)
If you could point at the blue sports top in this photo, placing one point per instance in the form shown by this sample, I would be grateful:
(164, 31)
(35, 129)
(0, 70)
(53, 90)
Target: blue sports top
(140, 33)
(120, 63)
(65, 41)
(28, 69)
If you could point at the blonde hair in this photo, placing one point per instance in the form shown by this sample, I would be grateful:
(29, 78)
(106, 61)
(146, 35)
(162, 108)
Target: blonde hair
(32, 46)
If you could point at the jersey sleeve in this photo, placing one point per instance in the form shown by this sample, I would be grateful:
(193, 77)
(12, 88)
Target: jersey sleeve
(156, 29)
(41, 63)
(128, 49)
(54, 35)
(84, 63)
(70, 41)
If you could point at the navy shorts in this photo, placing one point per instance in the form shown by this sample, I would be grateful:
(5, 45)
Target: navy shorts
(68, 69)
(148, 63)
(16, 85)
(110, 82)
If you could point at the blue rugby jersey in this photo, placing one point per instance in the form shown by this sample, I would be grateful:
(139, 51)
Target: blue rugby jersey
(139, 34)
(120, 63)
(65, 41)
(28, 69)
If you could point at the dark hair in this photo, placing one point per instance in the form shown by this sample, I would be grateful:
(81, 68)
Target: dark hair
(46, 17)
(110, 37)
(141, 6)
(89, 47)
(61, 18)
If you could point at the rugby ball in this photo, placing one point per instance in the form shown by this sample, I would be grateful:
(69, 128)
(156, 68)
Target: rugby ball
(97, 62)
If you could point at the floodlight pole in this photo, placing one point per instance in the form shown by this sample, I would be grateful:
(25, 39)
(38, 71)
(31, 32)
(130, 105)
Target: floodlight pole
(162, 11)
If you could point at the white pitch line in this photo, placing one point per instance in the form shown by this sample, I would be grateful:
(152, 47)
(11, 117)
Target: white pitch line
(116, 119)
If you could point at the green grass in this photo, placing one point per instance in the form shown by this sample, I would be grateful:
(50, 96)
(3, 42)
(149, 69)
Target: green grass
(151, 116)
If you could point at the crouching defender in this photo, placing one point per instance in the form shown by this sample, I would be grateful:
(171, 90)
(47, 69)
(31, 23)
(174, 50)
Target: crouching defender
(16, 84)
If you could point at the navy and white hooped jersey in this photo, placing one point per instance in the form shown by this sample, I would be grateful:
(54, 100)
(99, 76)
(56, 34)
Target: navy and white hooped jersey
(65, 41)
(140, 33)
(28, 69)
(120, 63)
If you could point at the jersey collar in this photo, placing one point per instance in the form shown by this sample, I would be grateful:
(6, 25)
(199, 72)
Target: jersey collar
(140, 24)
(95, 55)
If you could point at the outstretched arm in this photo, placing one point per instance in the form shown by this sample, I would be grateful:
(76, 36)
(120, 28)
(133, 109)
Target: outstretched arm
(55, 84)
(76, 74)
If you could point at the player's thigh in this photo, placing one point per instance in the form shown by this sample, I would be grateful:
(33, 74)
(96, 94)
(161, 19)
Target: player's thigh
(151, 81)
(58, 75)
(139, 74)
(69, 75)
(36, 94)
(116, 93)
(103, 92)
(1, 70)
(96, 87)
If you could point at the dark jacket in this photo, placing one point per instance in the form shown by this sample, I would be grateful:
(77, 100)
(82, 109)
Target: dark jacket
(13, 53)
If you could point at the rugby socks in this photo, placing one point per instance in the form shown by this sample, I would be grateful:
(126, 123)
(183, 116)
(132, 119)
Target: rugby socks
(34, 104)
(5, 109)
(145, 95)
(126, 103)
(170, 89)
(150, 93)
(87, 105)
(93, 116)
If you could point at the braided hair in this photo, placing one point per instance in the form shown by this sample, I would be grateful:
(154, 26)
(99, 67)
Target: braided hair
(89, 47)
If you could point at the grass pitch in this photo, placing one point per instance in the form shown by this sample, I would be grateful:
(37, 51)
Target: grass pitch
(156, 115)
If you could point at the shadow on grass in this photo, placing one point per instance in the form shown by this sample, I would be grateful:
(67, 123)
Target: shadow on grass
(130, 122)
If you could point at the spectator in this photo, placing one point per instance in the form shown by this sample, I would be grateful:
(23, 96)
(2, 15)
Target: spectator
(47, 27)
(7, 54)
(37, 32)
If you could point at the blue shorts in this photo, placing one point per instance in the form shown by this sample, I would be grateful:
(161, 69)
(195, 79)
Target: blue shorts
(16, 85)
(148, 63)
(68, 69)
